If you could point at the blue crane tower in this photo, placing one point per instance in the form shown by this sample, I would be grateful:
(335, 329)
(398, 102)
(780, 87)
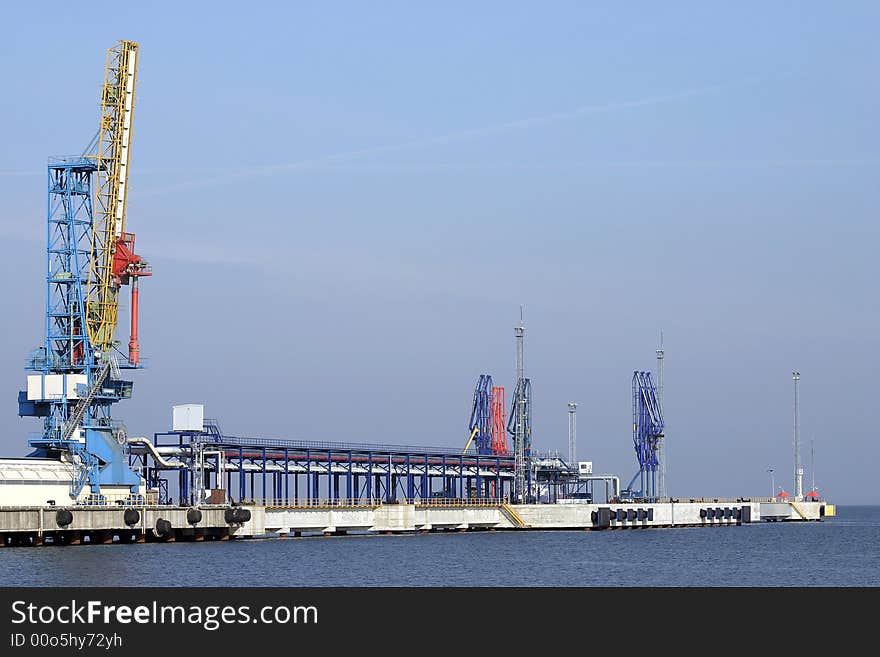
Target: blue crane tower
(647, 434)
(76, 373)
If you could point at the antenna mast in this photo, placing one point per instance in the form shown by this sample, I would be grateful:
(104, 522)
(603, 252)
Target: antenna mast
(798, 470)
(661, 447)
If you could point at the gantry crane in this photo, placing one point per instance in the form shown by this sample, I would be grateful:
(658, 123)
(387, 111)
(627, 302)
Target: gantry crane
(76, 372)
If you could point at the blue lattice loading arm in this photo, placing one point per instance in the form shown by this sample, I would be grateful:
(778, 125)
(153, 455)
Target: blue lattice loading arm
(481, 415)
(647, 433)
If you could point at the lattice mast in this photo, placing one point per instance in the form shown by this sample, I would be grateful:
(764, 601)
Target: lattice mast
(662, 450)
(519, 423)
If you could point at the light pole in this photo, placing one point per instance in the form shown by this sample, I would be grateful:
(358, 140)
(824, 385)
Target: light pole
(798, 470)
(772, 483)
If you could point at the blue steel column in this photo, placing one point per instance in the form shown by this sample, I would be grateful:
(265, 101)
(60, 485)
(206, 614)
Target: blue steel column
(316, 491)
(426, 481)
(369, 475)
(240, 474)
(264, 474)
(308, 475)
(348, 475)
(479, 480)
(286, 477)
(389, 493)
(330, 487)
(410, 494)
(498, 491)
(461, 478)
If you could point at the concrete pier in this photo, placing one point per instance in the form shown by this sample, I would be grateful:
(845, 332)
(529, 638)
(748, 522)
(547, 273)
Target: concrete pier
(397, 518)
(76, 525)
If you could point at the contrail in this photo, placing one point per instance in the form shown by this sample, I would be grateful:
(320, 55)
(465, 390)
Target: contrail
(453, 136)
(16, 174)
(145, 172)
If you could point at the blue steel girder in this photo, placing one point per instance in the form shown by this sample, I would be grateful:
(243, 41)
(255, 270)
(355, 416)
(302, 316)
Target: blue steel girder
(387, 470)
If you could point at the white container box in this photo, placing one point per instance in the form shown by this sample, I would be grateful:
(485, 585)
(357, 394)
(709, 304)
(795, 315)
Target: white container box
(42, 387)
(585, 467)
(71, 381)
(53, 386)
(35, 387)
(188, 417)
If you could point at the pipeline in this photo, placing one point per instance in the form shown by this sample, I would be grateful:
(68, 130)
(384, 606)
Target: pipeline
(614, 479)
(156, 455)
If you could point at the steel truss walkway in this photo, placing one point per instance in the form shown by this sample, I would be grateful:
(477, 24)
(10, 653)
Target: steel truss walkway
(290, 471)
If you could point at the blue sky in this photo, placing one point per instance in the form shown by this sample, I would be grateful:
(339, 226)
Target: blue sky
(345, 204)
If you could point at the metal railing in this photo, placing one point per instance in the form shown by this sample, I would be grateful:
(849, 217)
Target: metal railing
(736, 499)
(452, 452)
(131, 499)
(343, 502)
(712, 500)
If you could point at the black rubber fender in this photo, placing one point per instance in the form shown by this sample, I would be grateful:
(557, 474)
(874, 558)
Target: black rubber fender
(63, 517)
(163, 527)
(193, 516)
(236, 515)
(131, 517)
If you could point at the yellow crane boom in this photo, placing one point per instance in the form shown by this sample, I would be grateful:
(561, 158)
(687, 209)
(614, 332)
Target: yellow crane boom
(112, 159)
(471, 439)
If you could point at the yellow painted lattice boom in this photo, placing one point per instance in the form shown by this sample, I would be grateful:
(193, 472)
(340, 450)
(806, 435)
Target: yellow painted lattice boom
(113, 157)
